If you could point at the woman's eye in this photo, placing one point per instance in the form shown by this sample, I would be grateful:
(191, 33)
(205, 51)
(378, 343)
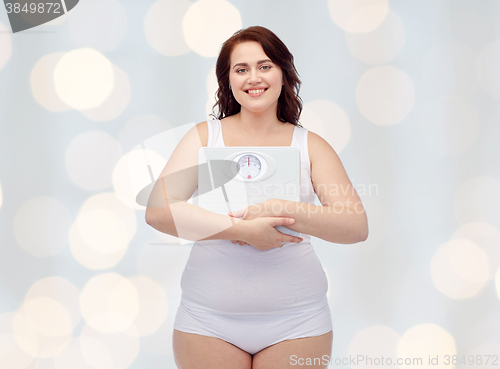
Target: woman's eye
(266, 66)
(238, 71)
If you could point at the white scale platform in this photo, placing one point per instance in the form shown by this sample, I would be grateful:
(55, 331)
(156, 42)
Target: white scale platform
(237, 177)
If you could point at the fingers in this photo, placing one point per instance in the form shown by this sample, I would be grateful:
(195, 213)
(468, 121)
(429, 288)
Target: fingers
(237, 213)
(285, 222)
(294, 239)
(282, 221)
(290, 239)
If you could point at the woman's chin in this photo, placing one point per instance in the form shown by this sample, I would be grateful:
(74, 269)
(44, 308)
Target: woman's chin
(259, 108)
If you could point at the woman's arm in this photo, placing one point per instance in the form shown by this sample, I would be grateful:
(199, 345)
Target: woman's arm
(335, 224)
(340, 219)
(169, 212)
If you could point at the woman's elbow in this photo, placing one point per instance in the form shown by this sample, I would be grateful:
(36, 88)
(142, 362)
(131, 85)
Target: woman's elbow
(362, 235)
(160, 221)
(359, 230)
(150, 217)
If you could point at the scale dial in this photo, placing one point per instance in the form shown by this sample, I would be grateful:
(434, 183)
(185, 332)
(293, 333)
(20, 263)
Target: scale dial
(250, 166)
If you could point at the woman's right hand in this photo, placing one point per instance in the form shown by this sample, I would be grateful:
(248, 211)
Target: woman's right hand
(261, 234)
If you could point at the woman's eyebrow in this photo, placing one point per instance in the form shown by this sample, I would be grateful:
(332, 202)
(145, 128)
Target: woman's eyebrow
(259, 62)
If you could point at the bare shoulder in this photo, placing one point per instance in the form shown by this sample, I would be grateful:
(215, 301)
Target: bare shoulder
(202, 129)
(185, 153)
(314, 139)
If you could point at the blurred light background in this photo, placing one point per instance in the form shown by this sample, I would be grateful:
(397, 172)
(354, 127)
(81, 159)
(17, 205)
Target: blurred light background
(408, 93)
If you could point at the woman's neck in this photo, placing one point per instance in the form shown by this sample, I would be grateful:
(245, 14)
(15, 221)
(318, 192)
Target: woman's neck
(258, 124)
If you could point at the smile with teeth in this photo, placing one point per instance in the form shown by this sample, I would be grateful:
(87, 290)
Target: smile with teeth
(255, 92)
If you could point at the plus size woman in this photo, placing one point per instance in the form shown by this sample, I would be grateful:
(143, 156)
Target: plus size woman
(253, 297)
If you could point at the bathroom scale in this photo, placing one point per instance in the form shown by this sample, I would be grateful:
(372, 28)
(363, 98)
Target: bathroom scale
(240, 176)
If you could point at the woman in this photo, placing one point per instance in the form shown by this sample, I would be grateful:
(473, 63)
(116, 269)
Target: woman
(261, 303)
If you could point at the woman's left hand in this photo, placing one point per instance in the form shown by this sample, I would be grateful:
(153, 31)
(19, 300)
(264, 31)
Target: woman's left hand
(262, 209)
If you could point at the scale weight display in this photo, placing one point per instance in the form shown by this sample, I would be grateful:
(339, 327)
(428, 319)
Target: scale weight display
(237, 177)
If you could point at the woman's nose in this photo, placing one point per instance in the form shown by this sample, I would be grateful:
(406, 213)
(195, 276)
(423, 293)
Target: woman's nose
(254, 77)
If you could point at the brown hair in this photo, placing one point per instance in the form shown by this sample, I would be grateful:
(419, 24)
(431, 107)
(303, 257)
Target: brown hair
(289, 102)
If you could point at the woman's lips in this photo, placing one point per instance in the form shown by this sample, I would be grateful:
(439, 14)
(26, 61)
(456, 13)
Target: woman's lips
(259, 93)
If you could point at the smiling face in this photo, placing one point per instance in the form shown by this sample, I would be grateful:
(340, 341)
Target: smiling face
(256, 82)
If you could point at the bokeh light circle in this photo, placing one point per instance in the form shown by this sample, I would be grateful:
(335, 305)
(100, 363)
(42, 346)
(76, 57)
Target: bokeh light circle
(131, 175)
(42, 83)
(487, 68)
(468, 261)
(25, 334)
(144, 163)
(328, 120)
(208, 23)
(72, 357)
(477, 201)
(380, 45)
(102, 230)
(450, 124)
(424, 340)
(111, 202)
(95, 352)
(375, 342)
(109, 303)
(108, 205)
(11, 354)
(485, 236)
(5, 45)
(43, 327)
(83, 78)
(459, 269)
(358, 15)
(99, 349)
(163, 27)
(385, 95)
(58, 289)
(49, 317)
(109, 24)
(116, 103)
(89, 256)
(41, 226)
(90, 159)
